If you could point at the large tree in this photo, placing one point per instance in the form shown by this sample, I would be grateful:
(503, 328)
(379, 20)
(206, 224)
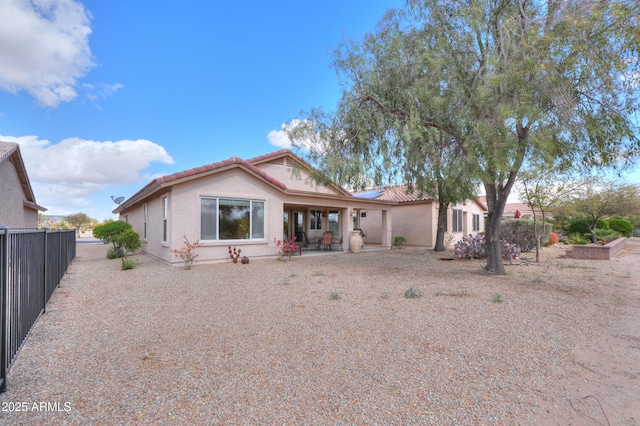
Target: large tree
(78, 220)
(507, 82)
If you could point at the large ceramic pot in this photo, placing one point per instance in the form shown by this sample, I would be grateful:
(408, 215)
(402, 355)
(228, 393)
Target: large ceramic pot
(355, 242)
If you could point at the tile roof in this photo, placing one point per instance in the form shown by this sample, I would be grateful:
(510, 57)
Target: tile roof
(397, 193)
(7, 149)
(219, 165)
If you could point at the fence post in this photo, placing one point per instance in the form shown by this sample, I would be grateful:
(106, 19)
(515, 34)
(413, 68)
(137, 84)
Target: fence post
(44, 273)
(4, 282)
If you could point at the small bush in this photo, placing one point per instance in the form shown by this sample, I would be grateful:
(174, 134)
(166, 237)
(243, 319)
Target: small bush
(497, 298)
(115, 253)
(412, 293)
(577, 239)
(622, 226)
(606, 234)
(127, 264)
(335, 296)
(521, 233)
(471, 247)
(553, 238)
(579, 226)
(399, 241)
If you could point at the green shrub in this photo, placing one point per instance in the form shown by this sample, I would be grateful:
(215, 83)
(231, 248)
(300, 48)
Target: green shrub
(622, 226)
(577, 239)
(399, 241)
(115, 253)
(579, 226)
(521, 233)
(606, 234)
(412, 293)
(127, 264)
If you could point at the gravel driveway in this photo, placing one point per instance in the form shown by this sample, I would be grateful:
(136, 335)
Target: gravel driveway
(324, 340)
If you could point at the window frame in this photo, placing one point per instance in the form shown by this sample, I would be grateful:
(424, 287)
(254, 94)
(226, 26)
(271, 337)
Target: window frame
(165, 219)
(315, 220)
(456, 220)
(254, 227)
(475, 219)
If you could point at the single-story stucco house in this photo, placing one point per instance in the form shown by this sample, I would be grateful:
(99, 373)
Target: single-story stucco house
(245, 204)
(18, 207)
(416, 218)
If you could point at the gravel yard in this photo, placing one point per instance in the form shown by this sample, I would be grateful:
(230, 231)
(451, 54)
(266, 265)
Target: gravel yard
(324, 340)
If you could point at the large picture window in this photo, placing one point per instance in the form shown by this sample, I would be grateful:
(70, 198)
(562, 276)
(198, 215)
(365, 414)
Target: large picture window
(231, 219)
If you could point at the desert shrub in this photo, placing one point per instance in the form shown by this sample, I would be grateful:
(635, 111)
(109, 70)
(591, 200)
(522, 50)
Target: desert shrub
(399, 241)
(553, 238)
(412, 293)
(127, 264)
(606, 234)
(579, 226)
(577, 239)
(521, 233)
(622, 226)
(471, 247)
(115, 253)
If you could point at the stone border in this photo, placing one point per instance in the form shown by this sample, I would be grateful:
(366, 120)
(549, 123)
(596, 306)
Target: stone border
(602, 252)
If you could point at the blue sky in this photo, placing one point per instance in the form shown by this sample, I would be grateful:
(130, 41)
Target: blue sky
(103, 96)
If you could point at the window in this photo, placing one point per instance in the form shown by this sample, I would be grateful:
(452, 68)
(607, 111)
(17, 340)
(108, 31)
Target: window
(456, 221)
(476, 222)
(144, 221)
(165, 214)
(334, 222)
(230, 219)
(316, 220)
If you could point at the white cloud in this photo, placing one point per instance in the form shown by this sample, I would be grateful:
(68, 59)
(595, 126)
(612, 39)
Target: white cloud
(279, 137)
(44, 48)
(307, 137)
(69, 173)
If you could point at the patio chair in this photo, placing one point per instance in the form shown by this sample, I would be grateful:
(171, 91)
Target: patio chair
(304, 244)
(327, 241)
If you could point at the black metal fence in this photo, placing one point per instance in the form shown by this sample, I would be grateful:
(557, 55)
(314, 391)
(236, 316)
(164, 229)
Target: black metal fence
(32, 263)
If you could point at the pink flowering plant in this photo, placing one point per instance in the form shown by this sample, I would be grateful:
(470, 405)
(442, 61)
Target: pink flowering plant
(287, 248)
(187, 252)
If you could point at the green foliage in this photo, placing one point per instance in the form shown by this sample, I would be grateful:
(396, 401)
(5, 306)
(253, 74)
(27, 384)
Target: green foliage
(497, 298)
(521, 233)
(447, 95)
(412, 293)
(579, 226)
(109, 231)
(398, 241)
(606, 234)
(335, 296)
(128, 241)
(577, 239)
(78, 220)
(115, 253)
(622, 226)
(127, 264)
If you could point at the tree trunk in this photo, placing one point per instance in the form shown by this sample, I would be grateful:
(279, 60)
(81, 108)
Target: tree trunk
(495, 205)
(442, 227)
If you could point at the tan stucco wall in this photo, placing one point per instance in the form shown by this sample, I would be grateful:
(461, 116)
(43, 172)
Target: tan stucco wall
(413, 221)
(13, 212)
(297, 179)
(184, 216)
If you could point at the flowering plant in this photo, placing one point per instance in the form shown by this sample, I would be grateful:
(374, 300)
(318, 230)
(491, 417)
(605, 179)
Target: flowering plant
(287, 248)
(187, 253)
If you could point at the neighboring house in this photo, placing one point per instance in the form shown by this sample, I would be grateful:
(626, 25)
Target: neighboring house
(18, 207)
(416, 218)
(244, 204)
(515, 210)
